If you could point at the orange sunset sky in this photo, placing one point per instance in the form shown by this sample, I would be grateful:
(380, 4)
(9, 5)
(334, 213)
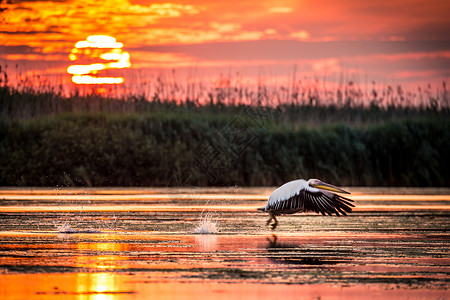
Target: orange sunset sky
(398, 41)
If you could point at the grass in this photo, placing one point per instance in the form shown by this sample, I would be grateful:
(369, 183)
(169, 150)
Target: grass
(152, 149)
(47, 139)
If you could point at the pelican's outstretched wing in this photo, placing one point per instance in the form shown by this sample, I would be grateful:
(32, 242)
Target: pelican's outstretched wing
(310, 199)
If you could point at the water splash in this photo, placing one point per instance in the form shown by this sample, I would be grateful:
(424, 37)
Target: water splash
(207, 225)
(66, 228)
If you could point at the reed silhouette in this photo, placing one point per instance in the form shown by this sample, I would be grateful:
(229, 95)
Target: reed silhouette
(51, 139)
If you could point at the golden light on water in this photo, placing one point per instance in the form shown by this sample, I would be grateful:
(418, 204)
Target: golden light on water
(98, 53)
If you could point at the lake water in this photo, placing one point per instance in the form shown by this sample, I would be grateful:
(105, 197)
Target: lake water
(145, 244)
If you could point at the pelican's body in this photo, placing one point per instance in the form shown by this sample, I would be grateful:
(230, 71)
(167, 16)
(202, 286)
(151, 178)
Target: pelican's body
(303, 196)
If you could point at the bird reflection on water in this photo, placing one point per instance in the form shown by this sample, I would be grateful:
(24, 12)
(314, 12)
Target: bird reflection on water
(288, 253)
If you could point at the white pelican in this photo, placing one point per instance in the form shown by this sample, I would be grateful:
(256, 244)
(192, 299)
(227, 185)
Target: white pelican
(303, 196)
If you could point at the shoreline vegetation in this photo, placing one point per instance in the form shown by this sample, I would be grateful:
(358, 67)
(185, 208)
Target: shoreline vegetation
(47, 139)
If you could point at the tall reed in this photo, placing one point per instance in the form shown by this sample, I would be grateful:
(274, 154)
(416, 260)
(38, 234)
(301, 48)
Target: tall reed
(241, 135)
(152, 149)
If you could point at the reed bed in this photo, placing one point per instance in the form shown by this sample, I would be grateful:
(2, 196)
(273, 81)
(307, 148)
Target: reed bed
(31, 104)
(164, 149)
(304, 100)
(51, 139)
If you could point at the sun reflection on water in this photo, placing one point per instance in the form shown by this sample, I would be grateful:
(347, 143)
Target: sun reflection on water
(99, 286)
(98, 54)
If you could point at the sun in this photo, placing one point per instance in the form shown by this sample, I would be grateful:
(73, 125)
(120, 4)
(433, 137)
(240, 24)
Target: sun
(96, 55)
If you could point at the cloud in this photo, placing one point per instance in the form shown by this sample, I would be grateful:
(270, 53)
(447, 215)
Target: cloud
(330, 65)
(430, 74)
(281, 10)
(376, 59)
(294, 49)
(414, 55)
(79, 18)
(146, 59)
(20, 49)
(301, 35)
(225, 27)
(34, 57)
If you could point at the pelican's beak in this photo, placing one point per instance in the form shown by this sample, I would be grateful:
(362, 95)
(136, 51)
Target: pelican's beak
(329, 187)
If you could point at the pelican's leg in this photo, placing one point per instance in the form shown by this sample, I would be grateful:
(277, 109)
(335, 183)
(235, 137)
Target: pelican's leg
(270, 219)
(275, 223)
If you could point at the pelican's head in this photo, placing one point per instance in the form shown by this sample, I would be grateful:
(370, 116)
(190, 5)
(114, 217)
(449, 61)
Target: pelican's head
(316, 183)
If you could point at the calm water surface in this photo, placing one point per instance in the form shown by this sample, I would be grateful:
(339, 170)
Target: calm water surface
(142, 244)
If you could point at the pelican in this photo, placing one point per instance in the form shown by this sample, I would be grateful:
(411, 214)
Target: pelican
(303, 196)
